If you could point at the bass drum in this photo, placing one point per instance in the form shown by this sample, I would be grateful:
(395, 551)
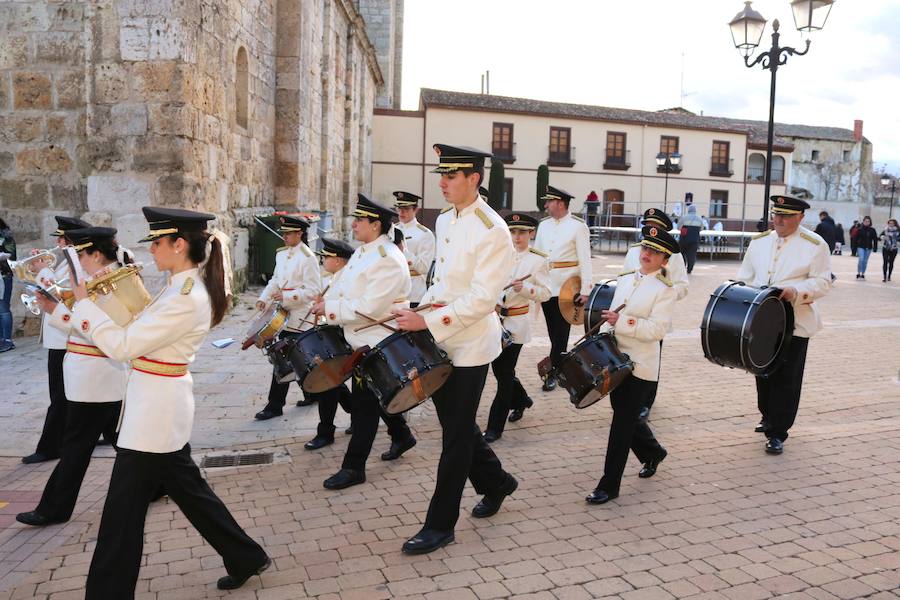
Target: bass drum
(600, 299)
(593, 369)
(747, 328)
(404, 369)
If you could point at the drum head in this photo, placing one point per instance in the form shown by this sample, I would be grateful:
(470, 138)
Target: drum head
(766, 333)
(326, 375)
(419, 390)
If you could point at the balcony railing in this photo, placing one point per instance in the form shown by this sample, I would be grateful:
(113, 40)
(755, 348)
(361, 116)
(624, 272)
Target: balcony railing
(506, 154)
(617, 162)
(720, 169)
(758, 175)
(561, 158)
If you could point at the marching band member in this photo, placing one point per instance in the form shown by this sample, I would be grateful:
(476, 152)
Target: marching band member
(54, 341)
(92, 410)
(649, 299)
(295, 283)
(474, 260)
(158, 409)
(675, 271)
(797, 261)
(418, 243)
(565, 239)
(515, 306)
(334, 256)
(375, 280)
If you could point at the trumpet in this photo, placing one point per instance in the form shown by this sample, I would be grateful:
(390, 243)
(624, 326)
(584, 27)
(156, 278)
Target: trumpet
(26, 272)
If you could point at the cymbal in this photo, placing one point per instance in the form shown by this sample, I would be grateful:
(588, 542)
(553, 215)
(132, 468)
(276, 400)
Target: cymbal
(568, 293)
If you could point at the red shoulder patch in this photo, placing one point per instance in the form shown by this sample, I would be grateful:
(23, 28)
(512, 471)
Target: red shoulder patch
(446, 320)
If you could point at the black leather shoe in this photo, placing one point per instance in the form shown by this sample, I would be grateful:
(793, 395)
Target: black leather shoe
(491, 436)
(304, 402)
(649, 469)
(427, 540)
(37, 457)
(230, 582)
(267, 413)
(774, 446)
(490, 504)
(318, 442)
(36, 519)
(396, 450)
(761, 427)
(599, 496)
(549, 383)
(516, 414)
(644, 414)
(344, 479)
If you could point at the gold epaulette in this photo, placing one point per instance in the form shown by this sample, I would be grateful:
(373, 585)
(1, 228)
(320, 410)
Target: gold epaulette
(576, 218)
(761, 235)
(446, 209)
(306, 250)
(423, 228)
(626, 273)
(538, 252)
(809, 238)
(664, 279)
(382, 251)
(484, 218)
(282, 248)
(188, 286)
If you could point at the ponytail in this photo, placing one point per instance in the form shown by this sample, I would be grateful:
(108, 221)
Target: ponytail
(213, 275)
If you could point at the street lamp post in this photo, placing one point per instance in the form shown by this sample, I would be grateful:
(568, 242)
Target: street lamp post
(668, 162)
(885, 180)
(747, 28)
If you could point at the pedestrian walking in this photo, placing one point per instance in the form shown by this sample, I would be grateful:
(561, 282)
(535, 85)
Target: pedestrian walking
(866, 244)
(890, 241)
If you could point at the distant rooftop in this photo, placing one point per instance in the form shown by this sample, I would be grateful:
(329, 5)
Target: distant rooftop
(672, 117)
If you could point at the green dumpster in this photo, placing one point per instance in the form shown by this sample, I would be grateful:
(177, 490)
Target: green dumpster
(266, 244)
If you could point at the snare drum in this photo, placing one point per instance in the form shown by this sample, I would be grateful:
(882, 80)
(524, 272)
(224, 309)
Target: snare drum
(593, 369)
(278, 354)
(747, 328)
(265, 326)
(404, 369)
(321, 358)
(600, 299)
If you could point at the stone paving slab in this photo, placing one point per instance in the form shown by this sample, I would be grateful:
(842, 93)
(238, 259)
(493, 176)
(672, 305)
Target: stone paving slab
(720, 520)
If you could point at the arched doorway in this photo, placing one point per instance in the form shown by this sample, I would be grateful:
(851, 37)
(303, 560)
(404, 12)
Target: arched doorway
(613, 208)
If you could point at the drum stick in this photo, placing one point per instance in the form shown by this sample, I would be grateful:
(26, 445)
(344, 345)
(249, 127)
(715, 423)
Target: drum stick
(594, 329)
(382, 322)
(515, 281)
(386, 319)
(309, 312)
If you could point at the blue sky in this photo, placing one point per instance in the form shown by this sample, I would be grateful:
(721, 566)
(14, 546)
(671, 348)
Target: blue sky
(629, 54)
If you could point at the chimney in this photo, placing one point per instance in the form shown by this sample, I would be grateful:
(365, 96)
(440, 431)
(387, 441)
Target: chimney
(857, 130)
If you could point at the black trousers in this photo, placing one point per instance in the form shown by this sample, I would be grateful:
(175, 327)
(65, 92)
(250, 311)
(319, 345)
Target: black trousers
(557, 329)
(507, 396)
(464, 453)
(627, 432)
(778, 396)
(689, 251)
(85, 422)
(364, 414)
(278, 391)
(136, 477)
(887, 265)
(328, 403)
(55, 421)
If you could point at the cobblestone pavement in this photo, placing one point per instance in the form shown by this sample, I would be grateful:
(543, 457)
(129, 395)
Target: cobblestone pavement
(721, 519)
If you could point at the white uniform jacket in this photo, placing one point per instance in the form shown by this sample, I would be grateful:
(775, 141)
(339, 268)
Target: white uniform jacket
(474, 262)
(158, 412)
(801, 261)
(676, 271)
(296, 274)
(51, 337)
(88, 374)
(522, 305)
(374, 281)
(567, 243)
(649, 302)
(418, 247)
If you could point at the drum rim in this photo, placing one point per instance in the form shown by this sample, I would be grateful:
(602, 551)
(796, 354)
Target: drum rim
(594, 290)
(745, 357)
(710, 309)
